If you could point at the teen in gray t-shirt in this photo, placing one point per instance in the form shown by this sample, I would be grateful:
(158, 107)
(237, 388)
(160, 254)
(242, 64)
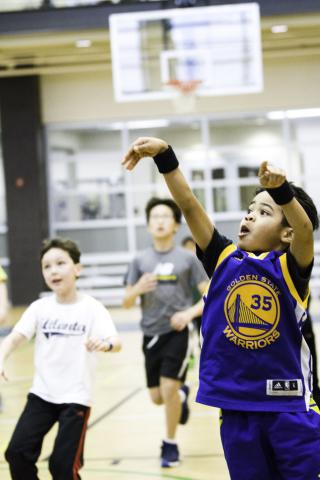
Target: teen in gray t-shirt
(177, 272)
(164, 277)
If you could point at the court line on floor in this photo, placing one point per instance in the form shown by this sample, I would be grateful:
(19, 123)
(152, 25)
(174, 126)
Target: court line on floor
(148, 457)
(115, 407)
(121, 472)
(108, 412)
(141, 474)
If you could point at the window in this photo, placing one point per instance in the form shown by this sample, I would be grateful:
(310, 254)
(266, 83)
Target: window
(197, 176)
(86, 175)
(219, 193)
(247, 192)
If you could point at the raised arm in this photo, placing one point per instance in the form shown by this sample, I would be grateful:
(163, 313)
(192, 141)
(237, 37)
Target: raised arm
(198, 221)
(302, 244)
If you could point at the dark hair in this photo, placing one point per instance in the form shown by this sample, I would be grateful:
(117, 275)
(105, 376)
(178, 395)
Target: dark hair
(155, 201)
(186, 240)
(306, 203)
(65, 244)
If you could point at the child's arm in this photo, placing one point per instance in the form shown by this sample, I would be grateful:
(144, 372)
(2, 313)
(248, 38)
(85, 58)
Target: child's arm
(302, 244)
(199, 223)
(146, 283)
(180, 320)
(10, 343)
(110, 344)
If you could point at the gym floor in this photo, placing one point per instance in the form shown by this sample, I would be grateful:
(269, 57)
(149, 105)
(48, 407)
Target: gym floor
(125, 428)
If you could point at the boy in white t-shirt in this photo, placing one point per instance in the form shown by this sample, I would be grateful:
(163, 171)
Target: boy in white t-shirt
(69, 327)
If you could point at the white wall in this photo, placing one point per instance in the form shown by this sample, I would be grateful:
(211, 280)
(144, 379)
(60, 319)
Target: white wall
(88, 96)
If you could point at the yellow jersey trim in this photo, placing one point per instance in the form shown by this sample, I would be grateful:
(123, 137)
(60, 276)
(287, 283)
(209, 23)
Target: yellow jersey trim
(290, 284)
(313, 406)
(225, 253)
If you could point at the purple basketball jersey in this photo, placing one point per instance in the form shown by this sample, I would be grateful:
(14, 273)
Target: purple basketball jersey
(253, 355)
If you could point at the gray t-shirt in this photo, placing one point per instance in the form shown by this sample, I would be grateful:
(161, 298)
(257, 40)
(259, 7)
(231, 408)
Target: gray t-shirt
(178, 272)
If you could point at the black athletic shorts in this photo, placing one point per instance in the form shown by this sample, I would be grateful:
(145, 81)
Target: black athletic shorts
(167, 356)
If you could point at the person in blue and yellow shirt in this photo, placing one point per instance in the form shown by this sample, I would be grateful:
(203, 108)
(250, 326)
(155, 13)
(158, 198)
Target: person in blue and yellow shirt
(255, 364)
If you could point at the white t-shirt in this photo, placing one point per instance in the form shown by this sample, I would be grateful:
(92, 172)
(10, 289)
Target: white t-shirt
(64, 369)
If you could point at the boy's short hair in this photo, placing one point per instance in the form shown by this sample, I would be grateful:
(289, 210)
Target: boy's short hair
(65, 244)
(306, 203)
(155, 201)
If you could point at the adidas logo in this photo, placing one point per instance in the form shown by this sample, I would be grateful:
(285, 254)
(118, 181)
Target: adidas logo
(277, 385)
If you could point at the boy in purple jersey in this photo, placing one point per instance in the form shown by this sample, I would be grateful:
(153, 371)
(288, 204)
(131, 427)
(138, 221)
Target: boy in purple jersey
(255, 364)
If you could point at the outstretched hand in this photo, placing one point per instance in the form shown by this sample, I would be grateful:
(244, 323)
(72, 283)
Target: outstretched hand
(270, 176)
(143, 147)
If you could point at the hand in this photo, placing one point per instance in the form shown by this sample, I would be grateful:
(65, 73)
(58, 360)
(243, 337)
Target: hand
(147, 283)
(271, 177)
(143, 147)
(180, 320)
(95, 345)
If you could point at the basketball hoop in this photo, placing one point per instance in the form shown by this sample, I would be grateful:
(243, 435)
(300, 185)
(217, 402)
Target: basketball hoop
(184, 98)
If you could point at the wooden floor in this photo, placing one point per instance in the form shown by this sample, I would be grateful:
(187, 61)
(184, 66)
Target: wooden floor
(125, 432)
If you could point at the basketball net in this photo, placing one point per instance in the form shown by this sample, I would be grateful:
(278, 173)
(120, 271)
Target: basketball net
(184, 98)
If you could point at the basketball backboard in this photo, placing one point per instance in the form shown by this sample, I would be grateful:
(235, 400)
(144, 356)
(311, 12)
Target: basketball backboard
(219, 46)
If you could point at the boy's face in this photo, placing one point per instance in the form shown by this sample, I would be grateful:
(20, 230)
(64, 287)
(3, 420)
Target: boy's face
(161, 223)
(262, 229)
(59, 271)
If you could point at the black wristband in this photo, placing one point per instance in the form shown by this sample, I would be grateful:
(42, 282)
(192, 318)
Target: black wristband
(281, 195)
(166, 161)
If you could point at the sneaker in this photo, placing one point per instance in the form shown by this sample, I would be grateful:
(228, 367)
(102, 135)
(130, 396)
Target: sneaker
(185, 412)
(169, 455)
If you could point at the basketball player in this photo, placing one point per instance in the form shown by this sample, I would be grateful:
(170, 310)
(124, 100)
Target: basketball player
(69, 328)
(164, 276)
(255, 364)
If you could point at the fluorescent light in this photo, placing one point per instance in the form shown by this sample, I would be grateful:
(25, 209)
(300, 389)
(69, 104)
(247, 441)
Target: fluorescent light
(83, 43)
(276, 115)
(304, 113)
(133, 124)
(279, 28)
(140, 124)
(296, 113)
